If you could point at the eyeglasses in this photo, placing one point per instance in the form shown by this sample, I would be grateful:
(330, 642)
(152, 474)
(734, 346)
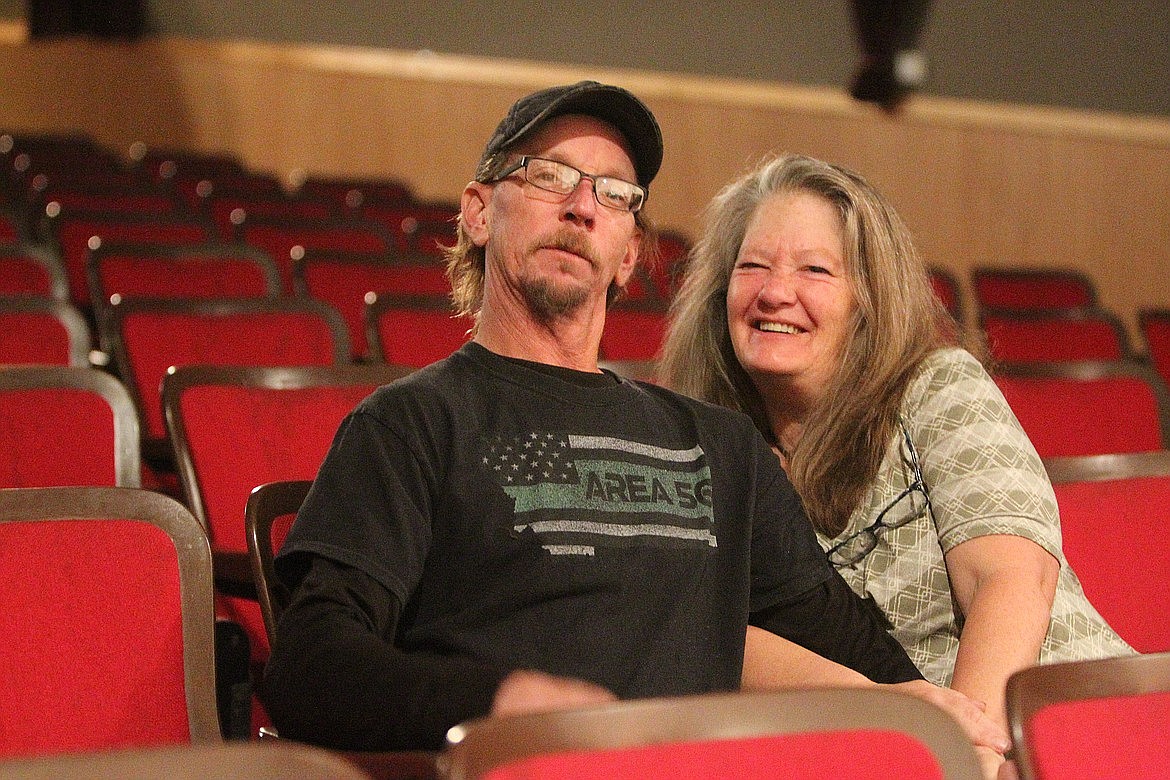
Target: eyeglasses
(562, 179)
(909, 505)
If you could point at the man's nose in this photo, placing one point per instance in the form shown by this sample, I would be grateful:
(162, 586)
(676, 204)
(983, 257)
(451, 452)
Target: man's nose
(582, 202)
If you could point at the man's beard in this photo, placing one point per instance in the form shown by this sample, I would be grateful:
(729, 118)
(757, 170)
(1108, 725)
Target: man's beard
(547, 300)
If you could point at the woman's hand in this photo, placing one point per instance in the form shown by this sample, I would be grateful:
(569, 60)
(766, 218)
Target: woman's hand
(971, 715)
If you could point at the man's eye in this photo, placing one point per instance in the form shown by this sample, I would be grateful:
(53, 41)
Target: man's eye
(615, 194)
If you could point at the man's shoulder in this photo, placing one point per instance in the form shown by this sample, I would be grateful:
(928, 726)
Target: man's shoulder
(728, 421)
(435, 381)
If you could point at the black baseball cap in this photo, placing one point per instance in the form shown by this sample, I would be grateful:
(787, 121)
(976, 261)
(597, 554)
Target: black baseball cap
(617, 106)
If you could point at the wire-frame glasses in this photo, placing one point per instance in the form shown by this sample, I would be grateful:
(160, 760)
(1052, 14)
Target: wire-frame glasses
(908, 506)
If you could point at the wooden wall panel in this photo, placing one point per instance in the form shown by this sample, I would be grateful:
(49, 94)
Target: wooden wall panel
(979, 184)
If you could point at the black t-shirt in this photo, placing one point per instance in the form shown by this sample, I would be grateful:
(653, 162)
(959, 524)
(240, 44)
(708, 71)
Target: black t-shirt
(568, 522)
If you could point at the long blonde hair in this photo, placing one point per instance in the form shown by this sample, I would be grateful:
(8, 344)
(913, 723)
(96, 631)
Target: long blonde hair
(896, 323)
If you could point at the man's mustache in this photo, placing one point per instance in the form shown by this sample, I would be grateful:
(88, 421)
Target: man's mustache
(569, 242)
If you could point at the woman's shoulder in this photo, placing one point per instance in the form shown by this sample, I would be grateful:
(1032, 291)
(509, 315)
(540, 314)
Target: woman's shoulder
(946, 368)
(953, 362)
(947, 377)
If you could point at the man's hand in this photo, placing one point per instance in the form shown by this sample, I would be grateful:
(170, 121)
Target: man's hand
(982, 730)
(529, 691)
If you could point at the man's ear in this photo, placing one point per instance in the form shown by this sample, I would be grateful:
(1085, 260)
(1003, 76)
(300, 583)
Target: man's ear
(630, 261)
(474, 206)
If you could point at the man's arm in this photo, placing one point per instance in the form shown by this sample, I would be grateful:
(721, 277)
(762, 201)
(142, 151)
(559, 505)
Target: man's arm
(334, 677)
(833, 622)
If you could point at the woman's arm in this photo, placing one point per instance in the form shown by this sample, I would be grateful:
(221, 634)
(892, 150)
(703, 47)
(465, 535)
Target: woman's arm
(1004, 586)
(772, 663)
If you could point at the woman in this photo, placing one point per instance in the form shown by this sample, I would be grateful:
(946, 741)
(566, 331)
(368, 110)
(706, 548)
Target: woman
(806, 305)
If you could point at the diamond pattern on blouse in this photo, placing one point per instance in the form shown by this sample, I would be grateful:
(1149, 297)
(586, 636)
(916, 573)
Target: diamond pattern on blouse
(984, 477)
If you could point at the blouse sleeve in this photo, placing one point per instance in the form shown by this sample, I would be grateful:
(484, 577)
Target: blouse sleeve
(982, 473)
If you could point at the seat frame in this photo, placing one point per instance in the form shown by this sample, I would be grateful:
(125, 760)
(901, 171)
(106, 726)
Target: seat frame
(127, 456)
(283, 758)
(194, 565)
(266, 503)
(1035, 687)
(1111, 466)
(476, 747)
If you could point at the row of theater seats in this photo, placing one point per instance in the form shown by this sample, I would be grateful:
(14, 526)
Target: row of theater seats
(81, 225)
(248, 439)
(74, 707)
(378, 298)
(1033, 315)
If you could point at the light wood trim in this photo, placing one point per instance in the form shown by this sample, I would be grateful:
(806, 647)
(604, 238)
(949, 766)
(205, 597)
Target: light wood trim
(978, 183)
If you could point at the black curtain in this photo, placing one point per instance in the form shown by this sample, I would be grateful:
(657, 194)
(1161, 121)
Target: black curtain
(100, 18)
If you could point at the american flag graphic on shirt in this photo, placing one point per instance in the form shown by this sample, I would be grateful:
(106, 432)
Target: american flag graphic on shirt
(578, 493)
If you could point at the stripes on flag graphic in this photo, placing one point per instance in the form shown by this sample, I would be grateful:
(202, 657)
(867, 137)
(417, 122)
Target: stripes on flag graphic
(578, 493)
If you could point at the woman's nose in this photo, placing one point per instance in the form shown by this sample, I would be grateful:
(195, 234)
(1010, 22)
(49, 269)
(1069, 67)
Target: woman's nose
(779, 287)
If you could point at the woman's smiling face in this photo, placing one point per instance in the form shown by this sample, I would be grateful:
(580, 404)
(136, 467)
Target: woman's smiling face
(789, 300)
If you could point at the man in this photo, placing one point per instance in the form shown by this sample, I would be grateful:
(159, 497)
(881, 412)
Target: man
(511, 529)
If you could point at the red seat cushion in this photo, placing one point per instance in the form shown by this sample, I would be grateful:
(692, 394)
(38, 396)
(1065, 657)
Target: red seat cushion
(831, 755)
(93, 650)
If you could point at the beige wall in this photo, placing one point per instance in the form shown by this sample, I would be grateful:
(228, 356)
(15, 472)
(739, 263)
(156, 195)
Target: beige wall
(978, 183)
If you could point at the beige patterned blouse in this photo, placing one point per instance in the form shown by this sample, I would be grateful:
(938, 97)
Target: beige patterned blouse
(983, 477)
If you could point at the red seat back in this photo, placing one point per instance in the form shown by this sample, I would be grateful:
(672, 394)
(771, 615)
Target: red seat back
(149, 336)
(842, 733)
(10, 233)
(105, 604)
(42, 331)
(25, 270)
(285, 240)
(1065, 749)
(1128, 578)
(862, 753)
(76, 234)
(633, 333)
(415, 226)
(1032, 288)
(666, 274)
(1119, 409)
(194, 271)
(346, 279)
(235, 428)
(414, 331)
(230, 210)
(64, 425)
(946, 289)
(1052, 337)
(1092, 719)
